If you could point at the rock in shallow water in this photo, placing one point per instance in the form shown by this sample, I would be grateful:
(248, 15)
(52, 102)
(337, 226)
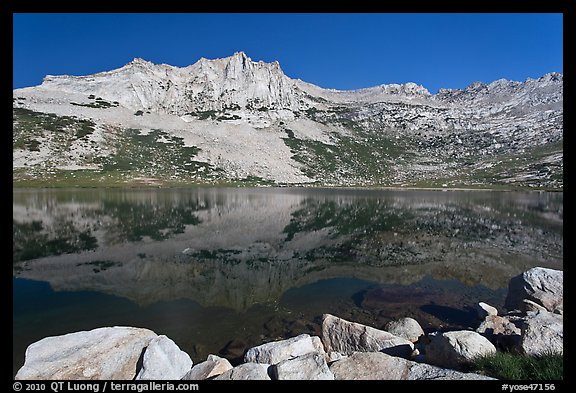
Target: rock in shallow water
(103, 353)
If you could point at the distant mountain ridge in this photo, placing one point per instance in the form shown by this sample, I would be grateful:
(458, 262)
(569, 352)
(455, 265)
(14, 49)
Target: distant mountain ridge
(248, 120)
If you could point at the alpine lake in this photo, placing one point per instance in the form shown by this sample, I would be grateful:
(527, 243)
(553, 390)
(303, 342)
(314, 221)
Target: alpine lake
(219, 270)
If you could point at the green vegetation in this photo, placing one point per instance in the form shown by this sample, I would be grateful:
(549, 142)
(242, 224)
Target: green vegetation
(32, 240)
(233, 107)
(227, 116)
(29, 125)
(203, 115)
(361, 157)
(135, 221)
(100, 265)
(371, 216)
(156, 153)
(98, 104)
(254, 181)
(505, 365)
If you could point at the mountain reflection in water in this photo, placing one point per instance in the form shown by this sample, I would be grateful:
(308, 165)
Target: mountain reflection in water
(210, 265)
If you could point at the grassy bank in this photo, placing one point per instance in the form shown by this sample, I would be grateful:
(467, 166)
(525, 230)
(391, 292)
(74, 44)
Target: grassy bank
(504, 365)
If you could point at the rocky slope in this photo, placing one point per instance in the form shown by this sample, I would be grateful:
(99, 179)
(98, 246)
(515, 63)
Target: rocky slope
(234, 119)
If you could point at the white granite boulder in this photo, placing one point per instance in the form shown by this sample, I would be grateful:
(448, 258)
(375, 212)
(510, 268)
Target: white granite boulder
(457, 348)
(340, 335)
(211, 367)
(485, 310)
(276, 351)
(542, 333)
(311, 366)
(379, 366)
(542, 286)
(103, 353)
(407, 328)
(163, 360)
(245, 371)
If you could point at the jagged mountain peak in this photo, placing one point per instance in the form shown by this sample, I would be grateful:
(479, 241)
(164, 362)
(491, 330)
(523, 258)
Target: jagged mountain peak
(207, 85)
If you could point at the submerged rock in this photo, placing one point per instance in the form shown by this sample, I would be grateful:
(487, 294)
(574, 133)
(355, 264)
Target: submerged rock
(103, 353)
(346, 337)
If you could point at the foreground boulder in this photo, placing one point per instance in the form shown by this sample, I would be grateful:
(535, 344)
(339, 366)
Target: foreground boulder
(246, 371)
(211, 367)
(407, 328)
(311, 366)
(458, 348)
(379, 366)
(103, 353)
(276, 351)
(339, 335)
(542, 333)
(540, 285)
(163, 360)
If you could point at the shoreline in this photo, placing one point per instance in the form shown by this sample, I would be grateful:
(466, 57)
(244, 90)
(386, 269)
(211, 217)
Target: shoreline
(279, 186)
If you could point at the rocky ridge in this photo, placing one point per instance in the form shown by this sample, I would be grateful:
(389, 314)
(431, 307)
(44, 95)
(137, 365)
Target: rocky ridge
(234, 119)
(345, 350)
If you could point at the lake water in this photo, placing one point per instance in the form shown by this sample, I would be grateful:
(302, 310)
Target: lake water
(219, 270)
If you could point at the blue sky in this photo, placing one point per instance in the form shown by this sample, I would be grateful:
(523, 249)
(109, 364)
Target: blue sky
(331, 50)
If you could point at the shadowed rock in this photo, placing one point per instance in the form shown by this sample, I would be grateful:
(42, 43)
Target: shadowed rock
(502, 331)
(541, 285)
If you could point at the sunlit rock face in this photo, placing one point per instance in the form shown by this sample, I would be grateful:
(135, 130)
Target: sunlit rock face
(236, 118)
